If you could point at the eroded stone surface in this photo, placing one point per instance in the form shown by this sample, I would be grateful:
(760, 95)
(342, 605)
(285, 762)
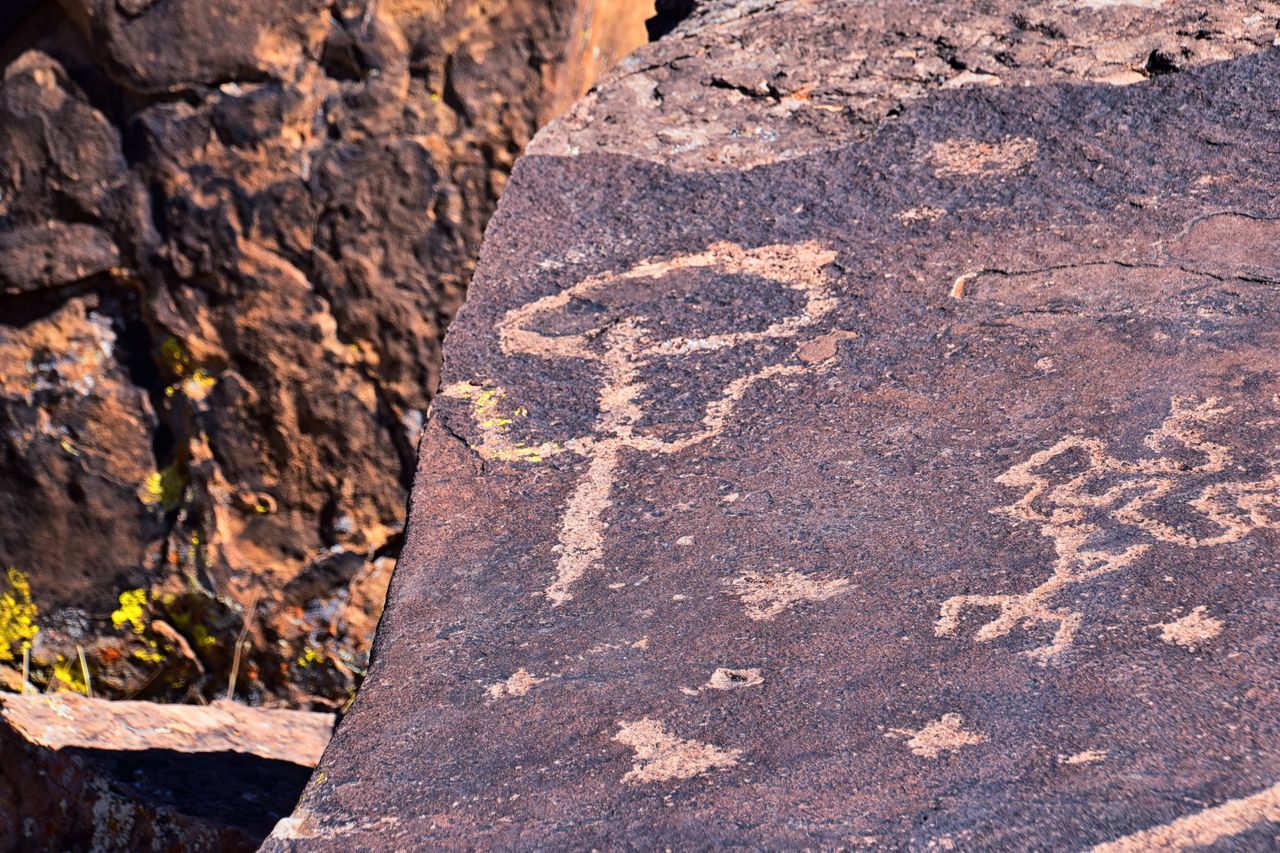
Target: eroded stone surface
(754, 82)
(944, 430)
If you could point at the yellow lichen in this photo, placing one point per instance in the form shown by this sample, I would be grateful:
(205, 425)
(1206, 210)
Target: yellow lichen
(203, 638)
(495, 427)
(196, 381)
(68, 677)
(152, 489)
(199, 384)
(174, 356)
(17, 616)
(132, 614)
(151, 654)
(133, 603)
(308, 658)
(163, 489)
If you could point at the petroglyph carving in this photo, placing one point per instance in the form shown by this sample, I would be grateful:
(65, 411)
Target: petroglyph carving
(767, 595)
(622, 347)
(518, 684)
(970, 157)
(1109, 512)
(660, 755)
(920, 214)
(1192, 630)
(1204, 828)
(728, 679)
(731, 679)
(944, 734)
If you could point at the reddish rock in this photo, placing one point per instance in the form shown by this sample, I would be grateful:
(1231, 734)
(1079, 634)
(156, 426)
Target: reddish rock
(84, 773)
(914, 488)
(232, 234)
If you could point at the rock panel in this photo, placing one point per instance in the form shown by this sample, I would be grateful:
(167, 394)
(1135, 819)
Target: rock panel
(950, 429)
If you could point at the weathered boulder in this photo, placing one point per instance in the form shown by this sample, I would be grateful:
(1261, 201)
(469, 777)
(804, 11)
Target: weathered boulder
(85, 774)
(232, 233)
(862, 430)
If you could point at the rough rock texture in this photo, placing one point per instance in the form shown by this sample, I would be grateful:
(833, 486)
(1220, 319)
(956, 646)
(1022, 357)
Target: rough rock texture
(759, 81)
(232, 234)
(917, 488)
(83, 774)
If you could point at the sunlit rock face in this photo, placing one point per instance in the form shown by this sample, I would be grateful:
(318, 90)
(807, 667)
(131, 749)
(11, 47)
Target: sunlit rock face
(232, 235)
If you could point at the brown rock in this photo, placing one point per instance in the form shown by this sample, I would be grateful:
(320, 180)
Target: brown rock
(946, 420)
(232, 234)
(85, 773)
(75, 424)
(748, 83)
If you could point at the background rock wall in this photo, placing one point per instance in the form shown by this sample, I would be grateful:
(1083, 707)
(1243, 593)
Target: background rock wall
(232, 234)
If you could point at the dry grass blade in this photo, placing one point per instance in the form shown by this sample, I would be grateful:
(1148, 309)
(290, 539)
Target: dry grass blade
(240, 641)
(84, 670)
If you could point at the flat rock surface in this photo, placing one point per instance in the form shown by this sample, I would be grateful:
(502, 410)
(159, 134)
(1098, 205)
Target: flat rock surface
(918, 490)
(82, 773)
(65, 720)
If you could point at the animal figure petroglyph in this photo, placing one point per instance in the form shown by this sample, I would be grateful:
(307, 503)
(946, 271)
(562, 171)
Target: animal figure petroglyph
(661, 756)
(1111, 496)
(620, 349)
(946, 734)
